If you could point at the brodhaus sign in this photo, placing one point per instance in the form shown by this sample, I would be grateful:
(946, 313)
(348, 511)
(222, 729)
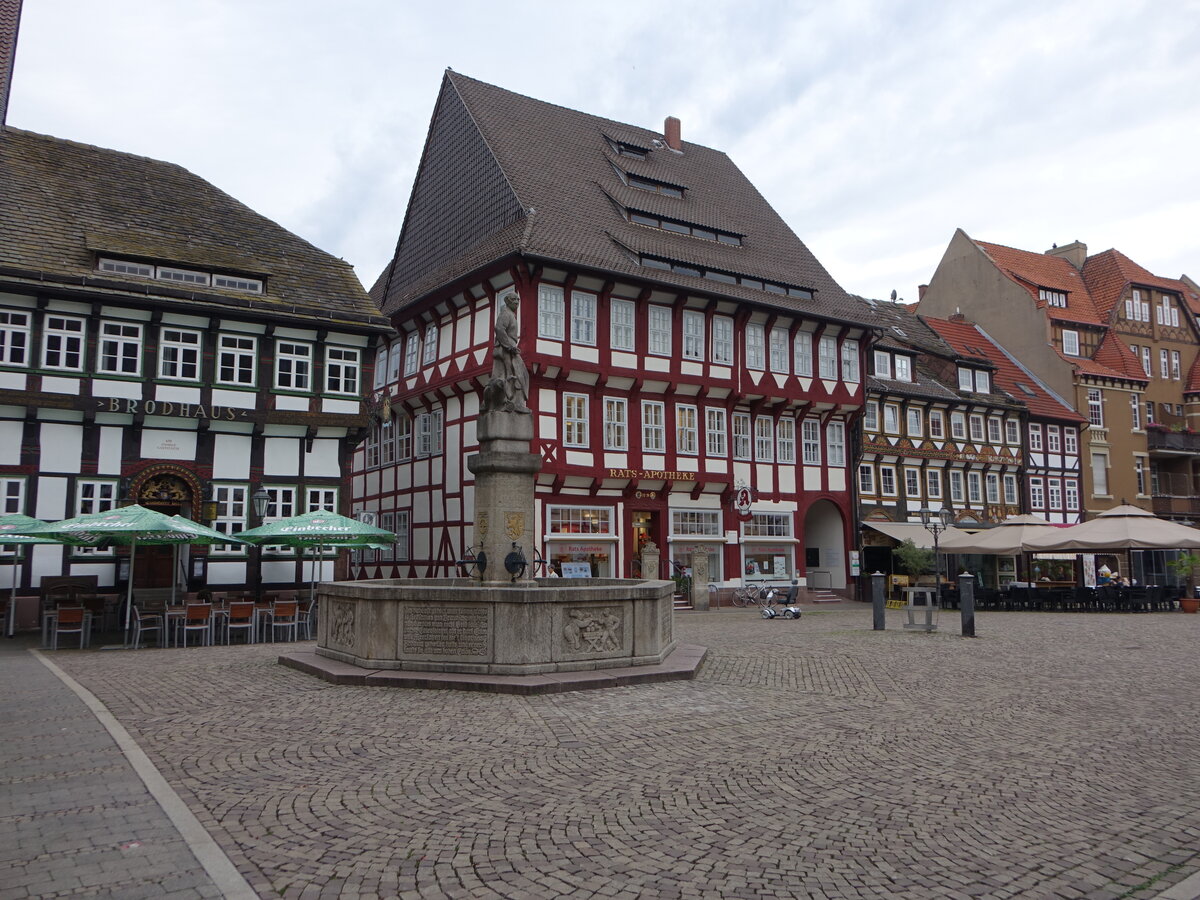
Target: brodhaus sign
(170, 408)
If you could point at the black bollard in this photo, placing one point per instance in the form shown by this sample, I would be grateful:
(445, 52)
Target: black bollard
(966, 603)
(877, 580)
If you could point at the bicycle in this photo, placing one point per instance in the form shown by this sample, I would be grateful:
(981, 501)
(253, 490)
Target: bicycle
(757, 594)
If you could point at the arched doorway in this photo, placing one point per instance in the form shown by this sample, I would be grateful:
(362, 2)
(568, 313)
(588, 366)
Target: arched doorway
(173, 493)
(824, 546)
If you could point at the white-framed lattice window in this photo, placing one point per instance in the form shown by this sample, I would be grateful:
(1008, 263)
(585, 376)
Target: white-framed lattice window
(779, 351)
(827, 358)
(1164, 364)
(966, 379)
(94, 496)
(1012, 431)
(1176, 369)
(1010, 489)
(575, 420)
(120, 348)
(995, 430)
(1037, 494)
(764, 439)
(321, 499)
(891, 418)
(341, 370)
(1053, 439)
(850, 362)
(12, 495)
(179, 354)
(431, 346)
(380, 367)
(810, 442)
(282, 505)
(933, 484)
(983, 382)
(1146, 364)
(866, 479)
(237, 359)
(835, 444)
(1035, 437)
(912, 483)
(1054, 493)
(1070, 440)
(293, 366)
(740, 424)
(956, 486)
(616, 423)
(580, 519)
(125, 267)
(915, 425)
(802, 357)
(654, 427)
(184, 276)
(695, 523)
(768, 525)
(412, 353)
(403, 426)
(550, 312)
(992, 485)
(693, 334)
(253, 285)
(1095, 404)
(937, 424)
(785, 440)
(883, 364)
(395, 351)
(1135, 412)
(621, 333)
(722, 340)
(429, 433)
(583, 318)
(387, 442)
(903, 366)
(871, 416)
(1099, 473)
(62, 343)
(402, 526)
(230, 515)
(1052, 298)
(958, 426)
(1070, 342)
(715, 430)
(975, 487)
(371, 446)
(14, 337)
(755, 349)
(1071, 492)
(658, 330)
(976, 422)
(387, 521)
(687, 438)
(887, 481)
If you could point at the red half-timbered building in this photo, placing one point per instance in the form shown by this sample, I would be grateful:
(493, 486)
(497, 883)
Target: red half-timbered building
(682, 343)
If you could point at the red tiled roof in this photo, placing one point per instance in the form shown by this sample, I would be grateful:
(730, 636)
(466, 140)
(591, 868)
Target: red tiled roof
(1038, 270)
(1193, 382)
(1108, 274)
(1114, 354)
(967, 340)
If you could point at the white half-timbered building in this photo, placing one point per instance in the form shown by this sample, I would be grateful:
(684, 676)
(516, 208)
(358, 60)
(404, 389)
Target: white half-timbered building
(682, 343)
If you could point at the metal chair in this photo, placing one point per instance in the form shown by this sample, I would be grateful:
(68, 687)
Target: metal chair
(240, 617)
(284, 614)
(143, 623)
(306, 618)
(197, 618)
(70, 620)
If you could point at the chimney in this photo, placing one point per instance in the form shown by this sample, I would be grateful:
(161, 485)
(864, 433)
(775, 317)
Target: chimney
(670, 132)
(10, 21)
(921, 289)
(1075, 253)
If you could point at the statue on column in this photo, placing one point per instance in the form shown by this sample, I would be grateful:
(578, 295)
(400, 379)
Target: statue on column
(508, 389)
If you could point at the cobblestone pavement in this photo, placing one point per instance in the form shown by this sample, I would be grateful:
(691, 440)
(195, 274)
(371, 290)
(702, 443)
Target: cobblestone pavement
(1057, 755)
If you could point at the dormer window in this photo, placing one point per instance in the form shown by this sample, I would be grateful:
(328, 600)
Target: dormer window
(896, 366)
(679, 268)
(179, 275)
(623, 149)
(678, 227)
(1166, 313)
(1136, 309)
(657, 187)
(1052, 298)
(1070, 342)
(978, 381)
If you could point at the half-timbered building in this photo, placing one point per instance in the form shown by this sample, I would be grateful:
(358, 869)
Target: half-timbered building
(682, 344)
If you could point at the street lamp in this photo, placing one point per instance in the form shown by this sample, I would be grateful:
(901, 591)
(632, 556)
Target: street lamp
(935, 524)
(261, 500)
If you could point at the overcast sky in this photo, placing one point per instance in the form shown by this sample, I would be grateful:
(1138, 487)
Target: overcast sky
(875, 129)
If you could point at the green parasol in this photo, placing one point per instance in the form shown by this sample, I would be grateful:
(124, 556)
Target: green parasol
(12, 531)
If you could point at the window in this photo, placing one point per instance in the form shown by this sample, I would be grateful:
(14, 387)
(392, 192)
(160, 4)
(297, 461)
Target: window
(835, 444)
(431, 346)
(179, 354)
(849, 362)
(810, 442)
(1146, 365)
(253, 285)
(1175, 367)
(1095, 407)
(654, 433)
(976, 428)
(741, 436)
(237, 359)
(1054, 493)
(550, 312)
(993, 427)
(1052, 298)
(914, 422)
(1010, 489)
(620, 324)
(754, 346)
(429, 433)
(693, 334)
(185, 276)
(1035, 437)
(616, 424)
(802, 358)
(281, 506)
(1139, 473)
(1070, 440)
(94, 497)
(1149, 412)
(992, 483)
(393, 368)
(785, 440)
(14, 338)
(769, 525)
(887, 481)
(956, 486)
(974, 487)
(1053, 439)
(912, 483)
(412, 351)
(827, 358)
(341, 369)
(695, 522)
(891, 418)
(575, 420)
(715, 441)
(933, 484)
(764, 439)
(648, 184)
(1142, 307)
(120, 348)
(124, 267)
(937, 424)
(883, 364)
(866, 479)
(581, 520)
(1099, 473)
(722, 340)
(1037, 495)
(62, 343)
(958, 426)
(387, 442)
(660, 330)
(293, 366)
(583, 318)
(321, 500)
(779, 348)
(1164, 364)
(1070, 342)
(403, 426)
(687, 437)
(871, 417)
(371, 447)
(1071, 489)
(230, 515)
(983, 382)
(966, 379)
(903, 367)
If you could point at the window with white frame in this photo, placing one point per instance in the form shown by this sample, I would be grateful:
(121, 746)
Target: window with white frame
(715, 442)
(654, 431)
(120, 348)
(915, 426)
(827, 358)
(583, 318)
(802, 357)
(956, 485)
(785, 440)
(891, 418)
(387, 442)
(1176, 369)
(371, 447)
(94, 497)
(1071, 494)
(293, 366)
(903, 367)
(810, 441)
(779, 351)
(937, 424)
(741, 436)
(321, 499)
(621, 332)
(230, 508)
(14, 337)
(871, 416)
(835, 444)
(1070, 342)
(179, 354)
(1070, 440)
(1052, 298)
(380, 376)
(387, 521)
(764, 439)
(912, 483)
(1010, 489)
(695, 523)
(866, 478)
(933, 484)
(550, 312)
(983, 382)
(1164, 364)
(887, 481)
(1099, 473)
(958, 426)
(1037, 494)
(412, 353)
(1053, 439)
(1146, 364)
(1095, 407)
(1166, 313)
(1035, 437)
(687, 437)
(722, 340)
(1139, 474)
(966, 379)
(431, 345)
(237, 359)
(575, 420)
(1012, 431)
(850, 362)
(992, 485)
(693, 334)
(62, 343)
(754, 346)
(282, 505)
(1054, 493)
(341, 369)
(994, 430)
(403, 427)
(883, 364)
(768, 525)
(659, 330)
(581, 520)
(429, 433)
(393, 368)
(1150, 412)
(616, 423)
(402, 528)
(976, 422)
(974, 487)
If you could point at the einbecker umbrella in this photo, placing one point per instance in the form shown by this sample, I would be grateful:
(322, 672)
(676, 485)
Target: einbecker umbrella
(1120, 528)
(12, 531)
(1010, 537)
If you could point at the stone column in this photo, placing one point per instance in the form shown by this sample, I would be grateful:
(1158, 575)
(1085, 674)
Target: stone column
(504, 484)
(700, 581)
(650, 561)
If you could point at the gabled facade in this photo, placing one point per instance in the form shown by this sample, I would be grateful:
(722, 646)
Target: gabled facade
(681, 341)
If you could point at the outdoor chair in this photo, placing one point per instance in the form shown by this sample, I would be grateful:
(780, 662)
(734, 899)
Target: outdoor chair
(70, 620)
(143, 623)
(197, 618)
(240, 617)
(305, 619)
(285, 615)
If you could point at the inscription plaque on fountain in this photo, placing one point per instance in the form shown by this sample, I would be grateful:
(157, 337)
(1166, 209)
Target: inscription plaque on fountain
(446, 631)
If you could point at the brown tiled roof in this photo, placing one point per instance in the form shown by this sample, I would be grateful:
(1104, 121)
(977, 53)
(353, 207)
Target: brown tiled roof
(1114, 354)
(10, 21)
(1039, 270)
(66, 202)
(1193, 382)
(1110, 273)
(900, 328)
(519, 175)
